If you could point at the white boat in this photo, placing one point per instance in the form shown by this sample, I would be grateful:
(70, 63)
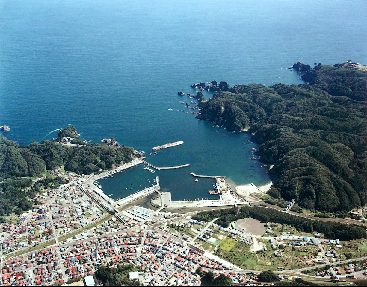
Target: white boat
(5, 128)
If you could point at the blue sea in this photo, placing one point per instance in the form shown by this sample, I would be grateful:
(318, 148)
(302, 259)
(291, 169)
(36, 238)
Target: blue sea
(113, 69)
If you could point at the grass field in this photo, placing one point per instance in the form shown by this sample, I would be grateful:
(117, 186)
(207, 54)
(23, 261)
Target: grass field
(227, 244)
(363, 247)
(239, 254)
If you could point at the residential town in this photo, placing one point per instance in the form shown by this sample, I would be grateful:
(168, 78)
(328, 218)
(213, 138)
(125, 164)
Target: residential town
(71, 232)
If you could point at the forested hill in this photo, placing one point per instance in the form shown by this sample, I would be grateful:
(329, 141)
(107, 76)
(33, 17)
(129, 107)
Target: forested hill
(314, 134)
(21, 165)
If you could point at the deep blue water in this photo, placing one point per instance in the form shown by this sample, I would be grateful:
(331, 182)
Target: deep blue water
(113, 68)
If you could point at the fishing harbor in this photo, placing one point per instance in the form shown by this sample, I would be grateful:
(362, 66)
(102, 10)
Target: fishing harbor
(201, 189)
(226, 194)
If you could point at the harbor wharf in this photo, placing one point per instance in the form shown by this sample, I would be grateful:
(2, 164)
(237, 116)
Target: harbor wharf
(166, 202)
(103, 202)
(142, 193)
(227, 197)
(110, 205)
(93, 191)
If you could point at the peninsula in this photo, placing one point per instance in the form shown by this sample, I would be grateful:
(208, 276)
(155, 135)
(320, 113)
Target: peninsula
(313, 135)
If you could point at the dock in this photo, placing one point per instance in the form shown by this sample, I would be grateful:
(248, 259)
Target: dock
(168, 145)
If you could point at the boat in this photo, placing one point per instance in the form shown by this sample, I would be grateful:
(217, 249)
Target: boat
(196, 180)
(214, 192)
(5, 128)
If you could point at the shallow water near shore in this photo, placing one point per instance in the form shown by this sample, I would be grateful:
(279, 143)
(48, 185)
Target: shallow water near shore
(113, 69)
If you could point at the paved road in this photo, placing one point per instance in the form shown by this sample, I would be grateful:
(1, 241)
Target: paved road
(324, 265)
(203, 230)
(300, 270)
(328, 219)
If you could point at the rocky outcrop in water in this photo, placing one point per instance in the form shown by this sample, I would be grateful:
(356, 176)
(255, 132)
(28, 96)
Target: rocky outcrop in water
(211, 86)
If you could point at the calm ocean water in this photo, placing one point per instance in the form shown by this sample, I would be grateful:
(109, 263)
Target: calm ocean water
(113, 68)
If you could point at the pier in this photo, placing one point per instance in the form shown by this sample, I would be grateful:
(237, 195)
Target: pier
(166, 167)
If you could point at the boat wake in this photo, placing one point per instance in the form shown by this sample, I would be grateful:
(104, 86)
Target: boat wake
(56, 130)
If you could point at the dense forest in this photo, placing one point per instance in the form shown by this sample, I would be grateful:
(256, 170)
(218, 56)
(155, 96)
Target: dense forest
(20, 166)
(331, 230)
(314, 134)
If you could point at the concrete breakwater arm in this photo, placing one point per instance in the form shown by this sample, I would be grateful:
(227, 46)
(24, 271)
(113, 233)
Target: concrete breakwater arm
(166, 167)
(206, 176)
(142, 193)
(168, 145)
(173, 167)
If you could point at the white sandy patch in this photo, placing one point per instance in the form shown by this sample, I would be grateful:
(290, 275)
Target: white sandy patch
(265, 188)
(248, 189)
(256, 245)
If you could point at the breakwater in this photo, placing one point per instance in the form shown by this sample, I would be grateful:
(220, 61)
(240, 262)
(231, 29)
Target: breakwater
(168, 145)
(206, 176)
(166, 167)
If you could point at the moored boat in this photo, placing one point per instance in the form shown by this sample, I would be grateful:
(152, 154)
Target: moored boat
(5, 128)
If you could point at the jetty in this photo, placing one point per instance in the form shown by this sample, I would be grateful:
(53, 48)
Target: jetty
(168, 145)
(166, 167)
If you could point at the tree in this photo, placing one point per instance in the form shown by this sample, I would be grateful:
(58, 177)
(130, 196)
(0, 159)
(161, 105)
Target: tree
(209, 279)
(268, 276)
